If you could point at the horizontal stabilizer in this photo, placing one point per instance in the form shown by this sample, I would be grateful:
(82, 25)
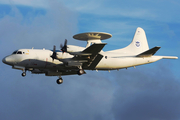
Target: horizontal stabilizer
(149, 53)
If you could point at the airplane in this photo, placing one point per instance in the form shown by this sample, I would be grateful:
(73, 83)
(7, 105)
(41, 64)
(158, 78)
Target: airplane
(74, 60)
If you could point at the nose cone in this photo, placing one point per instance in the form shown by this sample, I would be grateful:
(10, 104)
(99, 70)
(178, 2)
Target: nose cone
(8, 60)
(4, 60)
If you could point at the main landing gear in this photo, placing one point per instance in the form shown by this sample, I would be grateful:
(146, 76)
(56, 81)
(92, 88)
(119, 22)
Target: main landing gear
(80, 72)
(23, 74)
(59, 81)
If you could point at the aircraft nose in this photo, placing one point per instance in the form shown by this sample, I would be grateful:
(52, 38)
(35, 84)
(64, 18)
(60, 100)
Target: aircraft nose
(4, 60)
(8, 60)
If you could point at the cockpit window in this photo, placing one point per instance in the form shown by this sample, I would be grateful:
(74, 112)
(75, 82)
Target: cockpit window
(14, 52)
(19, 52)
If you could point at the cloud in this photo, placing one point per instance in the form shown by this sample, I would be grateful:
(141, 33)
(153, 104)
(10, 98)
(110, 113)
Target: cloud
(39, 97)
(49, 28)
(141, 93)
(147, 94)
(32, 3)
(149, 10)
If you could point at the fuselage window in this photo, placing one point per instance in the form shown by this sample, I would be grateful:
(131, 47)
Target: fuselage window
(19, 52)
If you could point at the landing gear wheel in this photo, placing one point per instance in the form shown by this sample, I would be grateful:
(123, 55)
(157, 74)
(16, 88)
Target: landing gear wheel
(80, 72)
(59, 81)
(23, 74)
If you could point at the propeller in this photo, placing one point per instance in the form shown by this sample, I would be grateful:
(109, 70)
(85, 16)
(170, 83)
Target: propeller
(53, 56)
(64, 48)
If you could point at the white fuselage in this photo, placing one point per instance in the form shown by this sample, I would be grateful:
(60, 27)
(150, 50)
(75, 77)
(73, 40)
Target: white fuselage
(40, 59)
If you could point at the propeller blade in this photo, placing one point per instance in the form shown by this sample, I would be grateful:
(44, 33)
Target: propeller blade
(61, 46)
(54, 48)
(53, 56)
(65, 42)
(64, 48)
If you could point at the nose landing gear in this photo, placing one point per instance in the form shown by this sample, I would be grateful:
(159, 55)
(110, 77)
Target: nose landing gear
(24, 72)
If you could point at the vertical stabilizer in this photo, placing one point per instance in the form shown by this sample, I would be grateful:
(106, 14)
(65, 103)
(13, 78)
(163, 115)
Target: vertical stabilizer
(138, 45)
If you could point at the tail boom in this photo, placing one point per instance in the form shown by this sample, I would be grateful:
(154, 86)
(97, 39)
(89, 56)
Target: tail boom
(169, 57)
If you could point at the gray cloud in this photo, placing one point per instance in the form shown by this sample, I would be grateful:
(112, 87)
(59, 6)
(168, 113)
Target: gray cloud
(147, 94)
(48, 29)
(141, 93)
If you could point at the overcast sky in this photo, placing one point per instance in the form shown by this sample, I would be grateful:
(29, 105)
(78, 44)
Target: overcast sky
(149, 92)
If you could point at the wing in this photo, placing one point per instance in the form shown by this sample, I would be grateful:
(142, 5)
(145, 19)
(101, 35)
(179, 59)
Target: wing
(88, 58)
